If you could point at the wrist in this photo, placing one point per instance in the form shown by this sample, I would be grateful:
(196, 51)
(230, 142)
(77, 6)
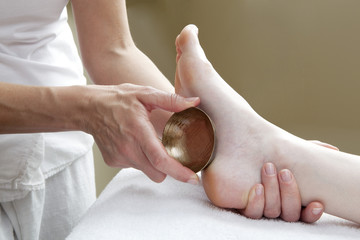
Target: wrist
(67, 108)
(27, 109)
(74, 107)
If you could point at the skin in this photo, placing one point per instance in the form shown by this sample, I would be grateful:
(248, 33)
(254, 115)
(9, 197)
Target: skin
(103, 33)
(124, 119)
(281, 198)
(117, 117)
(275, 198)
(114, 45)
(246, 141)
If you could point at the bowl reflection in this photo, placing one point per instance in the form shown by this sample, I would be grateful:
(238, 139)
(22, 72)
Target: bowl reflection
(189, 137)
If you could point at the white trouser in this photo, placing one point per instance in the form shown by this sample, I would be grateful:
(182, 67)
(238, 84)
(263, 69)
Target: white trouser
(52, 212)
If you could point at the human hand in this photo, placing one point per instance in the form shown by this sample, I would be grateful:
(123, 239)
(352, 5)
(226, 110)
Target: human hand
(279, 196)
(119, 122)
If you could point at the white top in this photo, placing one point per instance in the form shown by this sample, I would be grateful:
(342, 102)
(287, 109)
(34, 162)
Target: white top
(37, 48)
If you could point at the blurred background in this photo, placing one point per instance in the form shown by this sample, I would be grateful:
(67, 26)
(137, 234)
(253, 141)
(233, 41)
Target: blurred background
(296, 62)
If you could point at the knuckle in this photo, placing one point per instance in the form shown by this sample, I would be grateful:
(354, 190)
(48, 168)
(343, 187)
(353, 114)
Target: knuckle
(158, 162)
(158, 178)
(253, 215)
(148, 91)
(126, 151)
(174, 99)
(133, 125)
(293, 217)
(272, 213)
(127, 85)
(109, 161)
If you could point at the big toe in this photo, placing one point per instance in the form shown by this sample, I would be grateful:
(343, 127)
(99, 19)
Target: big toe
(188, 42)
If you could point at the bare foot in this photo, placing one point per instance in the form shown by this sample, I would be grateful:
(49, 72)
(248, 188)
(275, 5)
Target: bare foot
(245, 141)
(242, 135)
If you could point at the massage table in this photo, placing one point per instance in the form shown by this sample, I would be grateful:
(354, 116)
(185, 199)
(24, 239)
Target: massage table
(134, 207)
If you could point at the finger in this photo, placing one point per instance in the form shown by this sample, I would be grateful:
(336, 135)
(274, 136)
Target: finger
(135, 158)
(255, 206)
(290, 197)
(272, 192)
(324, 144)
(149, 170)
(312, 212)
(171, 102)
(160, 160)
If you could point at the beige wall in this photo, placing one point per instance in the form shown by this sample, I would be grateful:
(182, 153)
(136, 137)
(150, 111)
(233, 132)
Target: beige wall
(296, 62)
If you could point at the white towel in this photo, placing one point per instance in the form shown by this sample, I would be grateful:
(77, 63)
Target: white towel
(133, 207)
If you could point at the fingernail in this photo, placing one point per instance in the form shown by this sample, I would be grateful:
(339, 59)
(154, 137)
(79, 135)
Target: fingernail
(317, 211)
(269, 169)
(259, 190)
(192, 99)
(285, 175)
(194, 180)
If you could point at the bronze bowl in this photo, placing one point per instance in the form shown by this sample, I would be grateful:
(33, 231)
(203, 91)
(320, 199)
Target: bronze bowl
(189, 137)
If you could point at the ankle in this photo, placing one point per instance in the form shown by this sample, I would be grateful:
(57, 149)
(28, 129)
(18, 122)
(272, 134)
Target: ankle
(283, 150)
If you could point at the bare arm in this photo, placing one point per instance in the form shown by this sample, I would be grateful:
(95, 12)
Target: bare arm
(118, 116)
(27, 109)
(111, 57)
(109, 53)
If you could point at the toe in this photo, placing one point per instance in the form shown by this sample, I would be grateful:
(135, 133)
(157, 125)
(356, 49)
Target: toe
(188, 42)
(187, 38)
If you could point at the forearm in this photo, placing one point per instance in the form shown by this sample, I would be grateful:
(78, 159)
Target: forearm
(328, 176)
(109, 53)
(27, 109)
(107, 48)
(132, 66)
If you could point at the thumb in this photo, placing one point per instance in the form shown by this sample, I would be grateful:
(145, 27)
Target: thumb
(171, 102)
